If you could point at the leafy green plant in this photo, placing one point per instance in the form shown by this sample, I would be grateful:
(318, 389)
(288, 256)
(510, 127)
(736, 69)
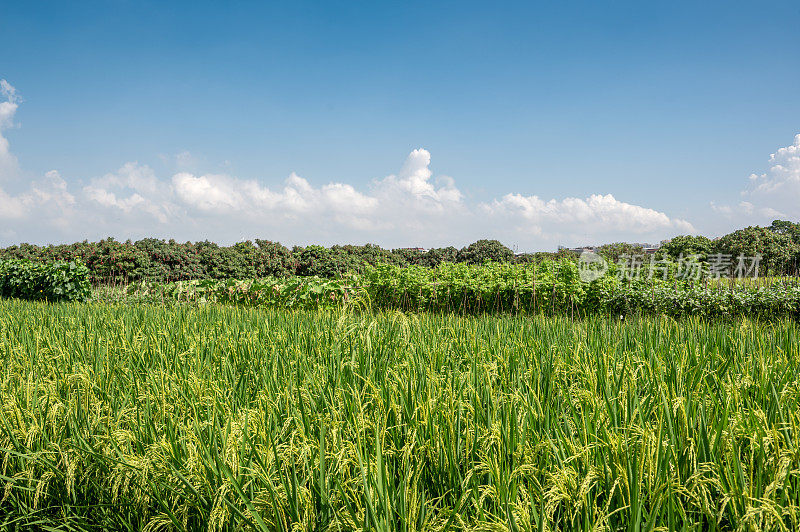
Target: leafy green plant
(549, 287)
(50, 282)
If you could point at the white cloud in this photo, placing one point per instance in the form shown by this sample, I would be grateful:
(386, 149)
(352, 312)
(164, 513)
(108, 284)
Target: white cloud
(224, 194)
(208, 192)
(748, 211)
(413, 185)
(388, 201)
(52, 192)
(783, 176)
(725, 210)
(411, 207)
(46, 202)
(11, 207)
(596, 215)
(140, 178)
(8, 108)
(770, 195)
(132, 188)
(47, 197)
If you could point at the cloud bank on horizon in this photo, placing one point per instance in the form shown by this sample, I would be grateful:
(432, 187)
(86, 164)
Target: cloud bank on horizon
(411, 207)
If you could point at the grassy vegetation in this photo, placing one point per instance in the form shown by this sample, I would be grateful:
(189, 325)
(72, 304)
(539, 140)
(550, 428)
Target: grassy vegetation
(117, 417)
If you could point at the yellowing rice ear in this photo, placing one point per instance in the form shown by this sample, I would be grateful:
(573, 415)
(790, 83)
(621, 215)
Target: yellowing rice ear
(221, 417)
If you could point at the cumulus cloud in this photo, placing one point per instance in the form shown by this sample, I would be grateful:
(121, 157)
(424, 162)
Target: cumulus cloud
(596, 215)
(8, 108)
(770, 195)
(11, 207)
(746, 209)
(226, 195)
(414, 182)
(410, 207)
(783, 174)
(411, 204)
(47, 199)
(132, 189)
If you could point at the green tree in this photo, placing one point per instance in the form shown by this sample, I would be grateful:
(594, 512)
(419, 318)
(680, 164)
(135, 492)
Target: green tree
(485, 250)
(613, 252)
(777, 250)
(783, 227)
(687, 245)
(435, 256)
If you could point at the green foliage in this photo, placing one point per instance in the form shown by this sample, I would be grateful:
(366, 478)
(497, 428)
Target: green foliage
(113, 262)
(687, 246)
(792, 230)
(321, 261)
(368, 255)
(436, 256)
(550, 287)
(785, 227)
(150, 259)
(485, 251)
(493, 287)
(227, 418)
(543, 256)
(777, 249)
(58, 281)
(245, 260)
(555, 288)
(614, 252)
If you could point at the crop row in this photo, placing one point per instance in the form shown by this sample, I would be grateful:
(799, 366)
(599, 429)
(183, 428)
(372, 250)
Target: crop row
(548, 288)
(114, 417)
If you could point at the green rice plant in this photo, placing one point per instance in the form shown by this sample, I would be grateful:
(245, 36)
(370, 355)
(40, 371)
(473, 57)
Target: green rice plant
(291, 292)
(218, 417)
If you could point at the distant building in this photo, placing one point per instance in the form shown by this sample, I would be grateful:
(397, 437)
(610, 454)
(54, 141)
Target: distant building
(648, 249)
(419, 250)
(576, 250)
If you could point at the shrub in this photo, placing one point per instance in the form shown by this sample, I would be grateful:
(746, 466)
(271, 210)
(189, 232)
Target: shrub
(24, 279)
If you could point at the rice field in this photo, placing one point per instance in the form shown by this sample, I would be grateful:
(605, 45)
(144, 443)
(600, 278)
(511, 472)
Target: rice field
(122, 417)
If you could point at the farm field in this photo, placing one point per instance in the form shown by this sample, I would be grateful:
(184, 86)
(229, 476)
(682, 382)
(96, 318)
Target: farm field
(214, 417)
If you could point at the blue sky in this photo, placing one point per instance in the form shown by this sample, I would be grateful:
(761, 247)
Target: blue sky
(535, 123)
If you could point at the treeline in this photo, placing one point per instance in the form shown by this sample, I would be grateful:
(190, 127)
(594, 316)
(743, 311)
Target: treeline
(778, 244)
(150, 259)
